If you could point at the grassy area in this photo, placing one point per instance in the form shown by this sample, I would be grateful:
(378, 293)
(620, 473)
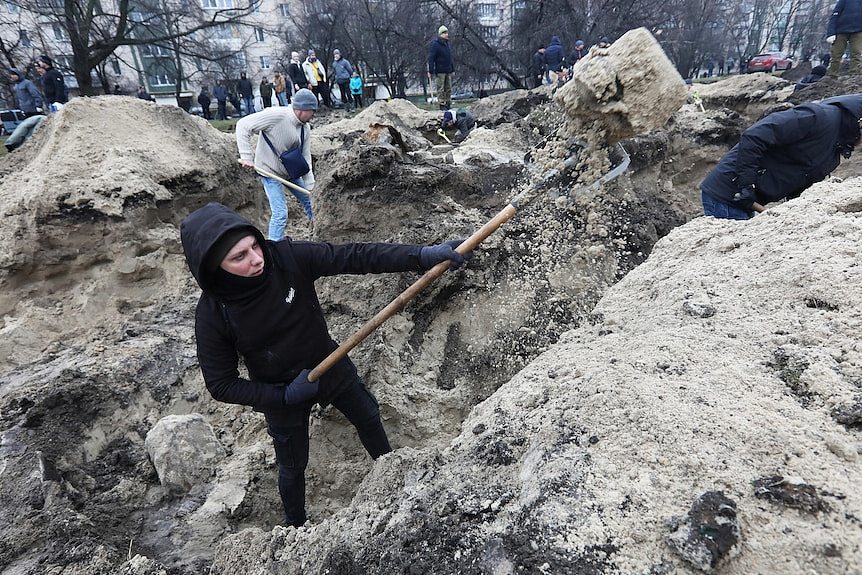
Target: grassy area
(228, 125)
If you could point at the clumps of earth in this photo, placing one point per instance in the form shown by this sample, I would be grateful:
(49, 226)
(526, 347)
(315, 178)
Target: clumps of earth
(613, 385)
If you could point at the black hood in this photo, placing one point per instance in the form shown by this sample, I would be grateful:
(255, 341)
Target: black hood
(851, 106)
(200, 231)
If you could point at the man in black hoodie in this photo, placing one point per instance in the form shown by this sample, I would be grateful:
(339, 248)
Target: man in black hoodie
(53, 84)
(782, 155)
(259, 302)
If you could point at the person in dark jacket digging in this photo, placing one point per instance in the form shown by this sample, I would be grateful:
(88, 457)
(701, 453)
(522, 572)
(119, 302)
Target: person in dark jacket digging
(259, 303)
(460, 120)
(782, 155)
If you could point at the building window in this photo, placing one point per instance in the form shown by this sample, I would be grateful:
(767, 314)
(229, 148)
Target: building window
(59, 32)
(258, 34)
(518, 7)
(214, 4)
(12, 7)
(115, 65)
(486, 10)
(221, 32)
(284, 10)
(488, 31)
(155, 51)
(264, 62)
(24, 38)
(239, 60)
(161, 79)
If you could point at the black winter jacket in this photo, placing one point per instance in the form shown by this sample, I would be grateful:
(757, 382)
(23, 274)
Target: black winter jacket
(846, 18)
(297, 76)
(53, 86)
(277, 327)
(537, 64)
(243, 86)
(440, 57)
(788, 151)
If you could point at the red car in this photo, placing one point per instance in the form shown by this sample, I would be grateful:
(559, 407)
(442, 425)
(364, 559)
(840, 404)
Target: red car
(770, 62)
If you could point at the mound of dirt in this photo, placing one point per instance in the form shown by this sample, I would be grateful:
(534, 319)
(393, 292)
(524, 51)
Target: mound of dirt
(749, 94)
(98, 343)
(690, 427)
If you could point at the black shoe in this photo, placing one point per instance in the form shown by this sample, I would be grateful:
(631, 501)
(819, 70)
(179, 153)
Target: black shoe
(10, 147)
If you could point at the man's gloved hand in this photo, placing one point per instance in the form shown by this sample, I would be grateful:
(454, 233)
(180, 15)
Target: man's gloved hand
(300, 389)
(744, 198)
(430, 256)
(830, 39)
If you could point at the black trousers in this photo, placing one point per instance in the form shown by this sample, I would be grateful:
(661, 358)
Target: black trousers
(290, 439)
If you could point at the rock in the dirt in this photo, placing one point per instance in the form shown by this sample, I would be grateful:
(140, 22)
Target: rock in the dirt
(624, 90)
(698, 309)
(141, 565)
(849, 413)
(184, 451)
(792, 492)
(708, 533)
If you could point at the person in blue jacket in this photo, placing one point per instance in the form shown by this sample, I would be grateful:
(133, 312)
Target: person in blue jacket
(26, 93)
(845, 30)
(258, 302)
(441, 66)
(554, 57)
(782, 155)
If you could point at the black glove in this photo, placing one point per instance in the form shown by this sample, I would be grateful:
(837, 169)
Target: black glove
(301, 390)
(430, 256)
(744, 198)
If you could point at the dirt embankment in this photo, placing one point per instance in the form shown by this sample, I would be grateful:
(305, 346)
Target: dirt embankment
(492, 466)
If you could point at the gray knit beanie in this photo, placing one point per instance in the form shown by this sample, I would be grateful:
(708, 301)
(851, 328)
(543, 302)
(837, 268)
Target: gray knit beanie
(304, 100)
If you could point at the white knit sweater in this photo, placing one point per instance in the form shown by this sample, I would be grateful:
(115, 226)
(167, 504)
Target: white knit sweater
(282, 128)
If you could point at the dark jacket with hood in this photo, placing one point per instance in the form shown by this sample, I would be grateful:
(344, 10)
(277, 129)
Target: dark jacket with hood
(274, 321)
(786, 152)
(26, 93)
(554, 55)
(846, 18)
(54, 86)
(537, 64)
(243, 86)
(440, 57)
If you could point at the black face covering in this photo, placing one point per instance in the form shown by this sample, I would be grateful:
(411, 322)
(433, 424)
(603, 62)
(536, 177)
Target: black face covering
(230, 287)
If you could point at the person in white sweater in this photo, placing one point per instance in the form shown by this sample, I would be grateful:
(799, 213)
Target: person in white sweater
(282, 129)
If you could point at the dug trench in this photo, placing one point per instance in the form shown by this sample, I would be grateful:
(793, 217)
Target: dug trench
(98, 348)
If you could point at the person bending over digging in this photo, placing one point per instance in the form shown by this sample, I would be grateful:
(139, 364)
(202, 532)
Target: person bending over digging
(782, 155)
(282, 129)
(259, 302)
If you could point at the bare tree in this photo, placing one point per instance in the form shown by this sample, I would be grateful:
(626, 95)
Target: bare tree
(95, 30)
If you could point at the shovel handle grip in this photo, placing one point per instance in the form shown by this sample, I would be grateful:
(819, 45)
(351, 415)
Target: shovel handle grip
(410, 293)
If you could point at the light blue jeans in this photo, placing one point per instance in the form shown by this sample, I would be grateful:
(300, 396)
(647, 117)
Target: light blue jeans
(278, 205)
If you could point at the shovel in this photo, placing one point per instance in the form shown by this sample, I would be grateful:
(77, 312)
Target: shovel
(281, 180)
(411, 292)
(443, 135)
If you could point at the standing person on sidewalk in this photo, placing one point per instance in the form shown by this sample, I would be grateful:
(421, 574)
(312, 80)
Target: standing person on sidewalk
(845, 30)
(343, 71)
(296, 74)
(281, 129)
(266, 92)
(281, 89)
(441, 66)
(315, 73)
(221, 96)
(26, 93)
(246, 92)
(356, 88)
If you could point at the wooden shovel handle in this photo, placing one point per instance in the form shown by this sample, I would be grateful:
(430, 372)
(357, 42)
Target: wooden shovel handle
(758, 208)
(410, 293)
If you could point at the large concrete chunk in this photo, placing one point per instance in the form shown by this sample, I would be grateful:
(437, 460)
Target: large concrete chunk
(184, 451)
(624, 90)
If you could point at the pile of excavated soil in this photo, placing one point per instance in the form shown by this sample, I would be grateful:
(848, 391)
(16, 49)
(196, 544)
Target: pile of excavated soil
(99, 342)
(707, 420)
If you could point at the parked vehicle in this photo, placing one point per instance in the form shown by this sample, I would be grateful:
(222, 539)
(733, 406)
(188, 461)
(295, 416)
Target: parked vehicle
(770, 62)
(11, 119)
